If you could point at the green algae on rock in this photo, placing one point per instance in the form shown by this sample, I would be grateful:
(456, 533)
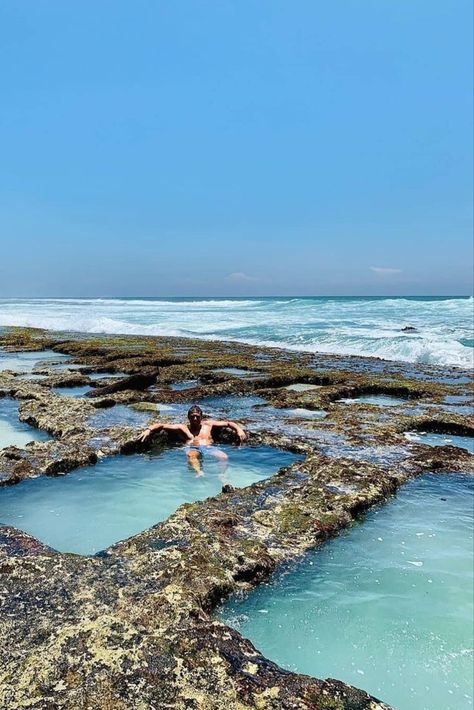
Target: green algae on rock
(131, 628)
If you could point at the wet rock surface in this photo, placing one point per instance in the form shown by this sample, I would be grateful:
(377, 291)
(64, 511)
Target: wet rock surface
(132, 627)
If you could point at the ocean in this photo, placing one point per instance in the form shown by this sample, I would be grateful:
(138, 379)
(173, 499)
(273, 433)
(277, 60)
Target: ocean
(443, 332)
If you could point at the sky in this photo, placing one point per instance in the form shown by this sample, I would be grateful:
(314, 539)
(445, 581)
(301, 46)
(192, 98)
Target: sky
(235, 147)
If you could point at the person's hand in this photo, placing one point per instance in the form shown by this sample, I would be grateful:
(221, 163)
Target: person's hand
(242, 436)
(144, 436)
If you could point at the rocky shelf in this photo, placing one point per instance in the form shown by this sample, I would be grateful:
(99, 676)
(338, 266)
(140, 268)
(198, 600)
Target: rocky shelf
(132, 627)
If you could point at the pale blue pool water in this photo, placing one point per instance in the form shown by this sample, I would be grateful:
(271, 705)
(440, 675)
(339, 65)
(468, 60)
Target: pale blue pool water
(68, 366)
(119, 415)
(95, 506)
(108, 375)
(432, 439)
(72, 391)
(459, 399)
(13, 432)
(231, 406)
(295, 412)
(185, 385)
(387, 606)
(238, 372)
(27, 361)
(302, 387)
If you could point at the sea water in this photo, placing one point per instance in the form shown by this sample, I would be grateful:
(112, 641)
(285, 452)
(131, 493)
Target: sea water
(90, 508)
(13, 432)
(387, 606)
(345, 326)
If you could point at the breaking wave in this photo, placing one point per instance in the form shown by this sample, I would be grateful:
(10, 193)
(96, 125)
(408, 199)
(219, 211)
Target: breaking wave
(440, 329)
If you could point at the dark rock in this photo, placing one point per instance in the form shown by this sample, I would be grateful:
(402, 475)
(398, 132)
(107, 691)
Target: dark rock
(134, 382)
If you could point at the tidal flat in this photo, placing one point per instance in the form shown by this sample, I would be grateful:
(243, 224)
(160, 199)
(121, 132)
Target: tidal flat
(133, 626)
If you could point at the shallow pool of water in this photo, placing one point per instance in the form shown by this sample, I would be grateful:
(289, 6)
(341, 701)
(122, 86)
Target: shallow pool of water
(387, 606)
(432, 439)
(95, 506)
(106, 375)
(296, 412)
(458, 399)
(13, 432)
(302, 387)
(238, 372)
(26, 362)
(185, 385)
(119, 415)
(72, 391)
(231, 406)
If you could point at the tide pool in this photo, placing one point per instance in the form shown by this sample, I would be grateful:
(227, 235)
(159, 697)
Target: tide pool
(95, 506)
(13, 432)
(79, 391)
(27, 361)
(387, 606)
(432, 439)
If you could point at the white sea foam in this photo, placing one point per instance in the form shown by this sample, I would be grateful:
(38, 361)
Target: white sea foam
(370, 327)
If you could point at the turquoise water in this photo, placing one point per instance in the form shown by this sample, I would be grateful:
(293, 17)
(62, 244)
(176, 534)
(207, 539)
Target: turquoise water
(387, 606)
(13, 432)
(431, 439)
(95, 506)
(345, 326)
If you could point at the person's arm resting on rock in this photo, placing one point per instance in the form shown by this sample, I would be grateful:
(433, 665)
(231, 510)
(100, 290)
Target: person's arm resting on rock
(165, 427)
(232, 425)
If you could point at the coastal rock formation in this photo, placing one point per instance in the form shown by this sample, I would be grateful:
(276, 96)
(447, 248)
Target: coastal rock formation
(132, 628)
(134, 382)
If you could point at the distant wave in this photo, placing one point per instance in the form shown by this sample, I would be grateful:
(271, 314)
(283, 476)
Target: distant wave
(367, 327)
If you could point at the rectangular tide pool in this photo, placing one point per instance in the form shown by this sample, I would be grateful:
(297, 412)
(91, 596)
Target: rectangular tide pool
(95, 506)
(386, 606)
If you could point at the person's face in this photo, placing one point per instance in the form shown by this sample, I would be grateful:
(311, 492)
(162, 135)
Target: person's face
(194, 418)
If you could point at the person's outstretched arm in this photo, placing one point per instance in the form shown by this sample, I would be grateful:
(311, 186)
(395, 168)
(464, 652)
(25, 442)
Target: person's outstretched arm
(232, 425)
(164, 427)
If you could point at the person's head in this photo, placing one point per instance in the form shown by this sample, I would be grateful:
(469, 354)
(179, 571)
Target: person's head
(195, 414)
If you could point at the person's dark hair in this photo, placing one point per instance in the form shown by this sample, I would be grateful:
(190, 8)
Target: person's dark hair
(195, 410)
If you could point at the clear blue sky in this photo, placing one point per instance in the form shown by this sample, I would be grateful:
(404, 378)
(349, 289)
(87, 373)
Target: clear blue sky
(227, 147)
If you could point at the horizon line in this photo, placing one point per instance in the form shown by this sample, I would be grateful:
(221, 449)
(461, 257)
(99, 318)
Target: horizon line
(239, 296)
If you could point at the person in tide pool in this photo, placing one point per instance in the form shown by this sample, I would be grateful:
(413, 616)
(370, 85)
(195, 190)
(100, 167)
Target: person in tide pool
(197, 434)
